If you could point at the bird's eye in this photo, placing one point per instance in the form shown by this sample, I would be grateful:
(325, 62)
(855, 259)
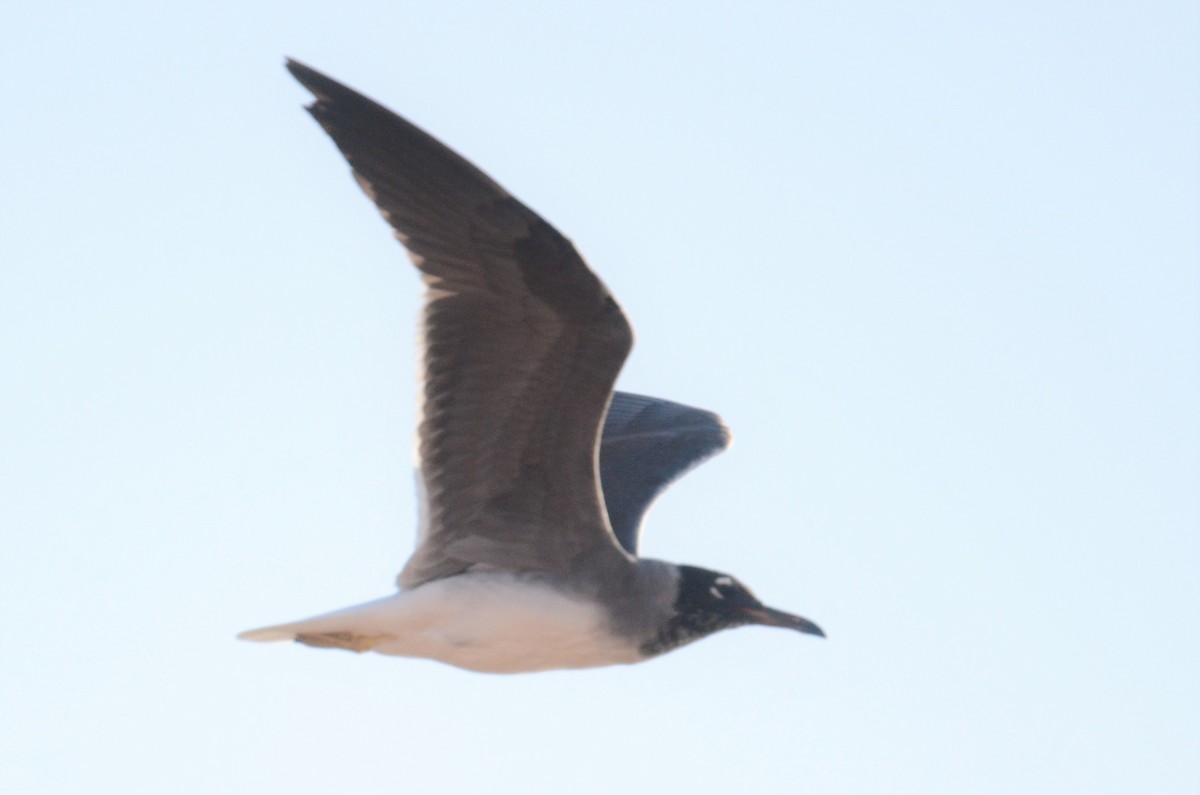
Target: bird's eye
(722, 586)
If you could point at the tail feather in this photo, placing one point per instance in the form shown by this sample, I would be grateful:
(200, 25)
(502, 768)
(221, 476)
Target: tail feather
(269, 634)
(356, 628)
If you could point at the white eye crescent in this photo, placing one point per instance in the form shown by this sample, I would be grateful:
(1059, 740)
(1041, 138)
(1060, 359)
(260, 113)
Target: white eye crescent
(716, 592)
(723, 581)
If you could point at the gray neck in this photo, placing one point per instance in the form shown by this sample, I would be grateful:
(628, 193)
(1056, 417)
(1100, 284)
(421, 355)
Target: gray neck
(643, 599)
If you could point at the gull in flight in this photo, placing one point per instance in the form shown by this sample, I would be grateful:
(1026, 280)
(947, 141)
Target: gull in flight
(534, 474)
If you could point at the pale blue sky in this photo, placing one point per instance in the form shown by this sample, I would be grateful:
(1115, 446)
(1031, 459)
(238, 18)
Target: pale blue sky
(937, 264)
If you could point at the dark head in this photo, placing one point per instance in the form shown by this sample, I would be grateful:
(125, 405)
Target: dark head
(709, 601)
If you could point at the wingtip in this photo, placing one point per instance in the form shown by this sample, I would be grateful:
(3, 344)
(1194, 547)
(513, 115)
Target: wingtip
(296, 67)
(725, 432)
(325, 90)
(319, 84)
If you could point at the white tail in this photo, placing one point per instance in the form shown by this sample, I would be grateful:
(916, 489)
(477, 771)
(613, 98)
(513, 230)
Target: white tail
(269, 634)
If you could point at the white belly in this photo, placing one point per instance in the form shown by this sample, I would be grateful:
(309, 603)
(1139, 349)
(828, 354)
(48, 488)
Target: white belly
(481, 621)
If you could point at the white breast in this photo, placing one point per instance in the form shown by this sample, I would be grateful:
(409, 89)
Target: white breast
(482, 621)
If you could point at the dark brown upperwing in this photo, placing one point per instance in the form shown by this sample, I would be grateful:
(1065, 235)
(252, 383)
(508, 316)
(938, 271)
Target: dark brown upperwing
(522, 344)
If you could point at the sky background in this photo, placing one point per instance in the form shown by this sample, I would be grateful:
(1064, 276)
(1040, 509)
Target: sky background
(937, 264)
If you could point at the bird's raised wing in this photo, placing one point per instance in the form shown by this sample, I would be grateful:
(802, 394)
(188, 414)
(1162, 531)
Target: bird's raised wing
(522, 344)
(647, 444)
